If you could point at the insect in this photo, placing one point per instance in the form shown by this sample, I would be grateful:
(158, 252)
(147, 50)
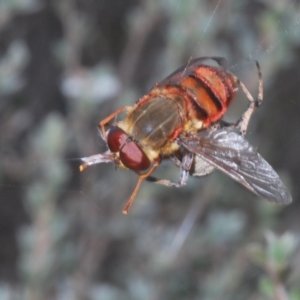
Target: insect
(181, 119)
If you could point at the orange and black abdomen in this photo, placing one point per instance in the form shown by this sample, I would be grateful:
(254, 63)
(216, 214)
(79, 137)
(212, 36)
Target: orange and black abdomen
(210, 91)
(200, 93)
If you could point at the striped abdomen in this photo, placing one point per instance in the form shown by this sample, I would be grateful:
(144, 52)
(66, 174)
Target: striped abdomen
(210, 91)
(185, 101)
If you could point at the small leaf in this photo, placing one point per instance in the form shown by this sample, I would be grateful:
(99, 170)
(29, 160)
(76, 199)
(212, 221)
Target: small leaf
(266, 286)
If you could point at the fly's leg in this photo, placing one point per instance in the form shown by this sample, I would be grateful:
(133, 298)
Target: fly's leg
(185, 166)
(138, 185)
(184, 175)
(243, 122)
(105, 121)
(176, 160)
(102, 157)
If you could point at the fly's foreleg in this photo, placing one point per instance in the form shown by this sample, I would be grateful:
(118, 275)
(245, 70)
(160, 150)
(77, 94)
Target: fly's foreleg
(105, 121)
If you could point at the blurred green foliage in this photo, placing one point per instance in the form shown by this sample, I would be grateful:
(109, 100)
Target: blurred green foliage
(67, 64)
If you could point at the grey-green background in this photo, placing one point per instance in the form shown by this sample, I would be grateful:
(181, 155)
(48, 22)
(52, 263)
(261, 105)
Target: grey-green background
(64, 66)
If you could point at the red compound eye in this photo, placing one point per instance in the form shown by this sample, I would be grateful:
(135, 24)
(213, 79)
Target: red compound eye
(131, 155)
(116, 138)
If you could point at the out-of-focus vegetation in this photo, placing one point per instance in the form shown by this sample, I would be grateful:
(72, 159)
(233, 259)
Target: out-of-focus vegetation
(64, 66)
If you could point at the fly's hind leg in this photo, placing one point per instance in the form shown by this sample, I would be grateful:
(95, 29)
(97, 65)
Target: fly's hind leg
(243, 122)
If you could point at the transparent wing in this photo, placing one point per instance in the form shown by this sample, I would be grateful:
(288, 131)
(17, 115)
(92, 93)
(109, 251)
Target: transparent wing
(180, 74)
(232, 154)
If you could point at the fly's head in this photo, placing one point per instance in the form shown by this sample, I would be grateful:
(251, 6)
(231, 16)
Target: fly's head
(127, 152)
